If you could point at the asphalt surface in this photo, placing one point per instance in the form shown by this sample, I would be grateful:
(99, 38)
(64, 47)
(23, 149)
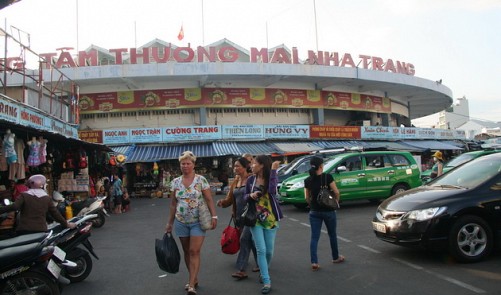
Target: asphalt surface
(127, 264)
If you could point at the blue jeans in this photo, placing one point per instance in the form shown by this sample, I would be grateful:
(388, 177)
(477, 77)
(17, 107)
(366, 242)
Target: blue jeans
(264, 239)
(316, 219)
(246, 246)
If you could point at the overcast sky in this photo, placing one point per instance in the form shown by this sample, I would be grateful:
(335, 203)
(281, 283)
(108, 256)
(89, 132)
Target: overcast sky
(458, 41)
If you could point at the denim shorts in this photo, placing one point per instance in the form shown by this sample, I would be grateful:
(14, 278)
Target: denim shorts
(188, 229)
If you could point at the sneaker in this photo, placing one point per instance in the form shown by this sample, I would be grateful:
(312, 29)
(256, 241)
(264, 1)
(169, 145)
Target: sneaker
(266, 289)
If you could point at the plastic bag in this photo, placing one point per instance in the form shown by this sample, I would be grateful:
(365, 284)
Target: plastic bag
(168, 257)
(230, 239)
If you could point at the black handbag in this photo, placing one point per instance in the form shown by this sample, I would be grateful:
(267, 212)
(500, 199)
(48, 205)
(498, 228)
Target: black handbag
(167, 253)
(249, 214)
(325, 197)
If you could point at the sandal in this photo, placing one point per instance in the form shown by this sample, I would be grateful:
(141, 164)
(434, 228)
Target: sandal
(191, 291)
(240, 275)
(339, 259)
(187, 286)
(266, 289)
(315, 266)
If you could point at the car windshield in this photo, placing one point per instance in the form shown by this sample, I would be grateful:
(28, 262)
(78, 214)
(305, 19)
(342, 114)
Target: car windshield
(471, 174)
(331, 162)
(287, 169)
(461, 159)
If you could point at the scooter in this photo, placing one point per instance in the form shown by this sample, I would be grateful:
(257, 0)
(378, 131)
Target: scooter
(69, 240)
(7, 223)
(81, 208)
(29, 264)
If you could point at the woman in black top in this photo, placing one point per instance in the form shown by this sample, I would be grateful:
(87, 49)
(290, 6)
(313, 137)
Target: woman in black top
(319, 214)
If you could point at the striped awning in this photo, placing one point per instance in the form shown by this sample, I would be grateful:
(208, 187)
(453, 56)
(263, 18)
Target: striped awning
(226, 148)
(258, 148)
(431, 144)
(123, 149)
(164, 152)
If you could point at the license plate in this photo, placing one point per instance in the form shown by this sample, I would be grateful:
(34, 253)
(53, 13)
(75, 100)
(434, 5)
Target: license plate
(53, 268)
(379, 227)
(59, 253)
(283, 194)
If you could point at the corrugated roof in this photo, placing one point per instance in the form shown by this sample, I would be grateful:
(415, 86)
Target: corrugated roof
(258, 148)
(295, 147)
(431, 144)
(395, 146)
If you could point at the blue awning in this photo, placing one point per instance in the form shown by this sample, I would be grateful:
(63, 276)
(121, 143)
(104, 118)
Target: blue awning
(164, 152)
(432, 145)
(226, 148)
(125, 150)
(258, 148)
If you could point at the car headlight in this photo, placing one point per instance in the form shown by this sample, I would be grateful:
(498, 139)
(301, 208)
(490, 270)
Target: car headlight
(424, 214)
(297, 185)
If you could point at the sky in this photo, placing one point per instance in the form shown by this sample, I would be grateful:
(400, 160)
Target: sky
(457, 41)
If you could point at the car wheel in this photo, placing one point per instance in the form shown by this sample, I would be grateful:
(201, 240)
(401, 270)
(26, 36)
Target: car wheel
(399, 188)
(470, 239)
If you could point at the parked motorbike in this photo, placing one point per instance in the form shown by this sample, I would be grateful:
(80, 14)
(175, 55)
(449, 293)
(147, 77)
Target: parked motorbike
(7, 223)
(69, 241)
(85, 207)
(29, 264)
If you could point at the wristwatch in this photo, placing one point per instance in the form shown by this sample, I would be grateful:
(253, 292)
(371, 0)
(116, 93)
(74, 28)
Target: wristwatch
(214, 217)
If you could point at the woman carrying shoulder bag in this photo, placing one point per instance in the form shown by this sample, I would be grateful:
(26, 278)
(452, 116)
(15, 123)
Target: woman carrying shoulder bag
(235, 198)
(319, 214)
(261, 190)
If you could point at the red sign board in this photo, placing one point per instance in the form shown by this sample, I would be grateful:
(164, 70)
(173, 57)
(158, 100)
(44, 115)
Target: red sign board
(335, 132)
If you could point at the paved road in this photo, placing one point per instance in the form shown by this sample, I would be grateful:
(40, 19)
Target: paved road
(127, 260)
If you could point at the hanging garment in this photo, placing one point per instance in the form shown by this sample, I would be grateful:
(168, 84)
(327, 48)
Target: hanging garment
(34, 157)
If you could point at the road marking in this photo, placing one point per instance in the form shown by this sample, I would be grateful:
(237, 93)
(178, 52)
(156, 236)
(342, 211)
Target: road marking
(369, 249)
(443, 277)
(162, 276)
(343, 239)
(414, 266)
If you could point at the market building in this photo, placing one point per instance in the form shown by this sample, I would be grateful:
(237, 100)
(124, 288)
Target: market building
(39, 133)
(222, 100)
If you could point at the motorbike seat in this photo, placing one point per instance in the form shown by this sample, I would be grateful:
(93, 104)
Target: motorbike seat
(22, 240)
(17, 255)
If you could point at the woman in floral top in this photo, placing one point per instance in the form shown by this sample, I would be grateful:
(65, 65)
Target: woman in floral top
(186, 192)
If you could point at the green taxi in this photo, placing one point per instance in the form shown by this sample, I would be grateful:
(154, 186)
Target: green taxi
(457, 161)
(360, 175)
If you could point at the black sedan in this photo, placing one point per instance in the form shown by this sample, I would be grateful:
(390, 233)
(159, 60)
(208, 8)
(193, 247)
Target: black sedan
(459, 211)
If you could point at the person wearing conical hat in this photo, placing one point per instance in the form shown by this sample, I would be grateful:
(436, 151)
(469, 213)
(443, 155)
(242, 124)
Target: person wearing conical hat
(438, 167)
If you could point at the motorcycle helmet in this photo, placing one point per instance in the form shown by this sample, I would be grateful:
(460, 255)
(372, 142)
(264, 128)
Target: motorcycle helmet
(37, 181)
(57, 197)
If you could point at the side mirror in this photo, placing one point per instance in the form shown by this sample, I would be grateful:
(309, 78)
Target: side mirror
(341, 169)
